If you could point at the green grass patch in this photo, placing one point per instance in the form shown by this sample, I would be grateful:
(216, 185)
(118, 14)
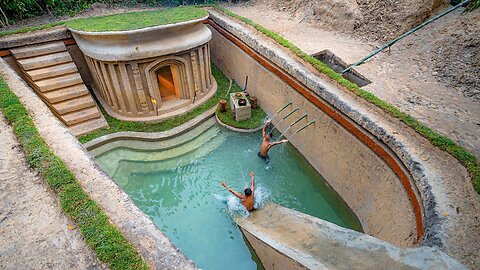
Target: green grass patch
(137, 20)
(124, 21)
(258, 115)
(119, 125)
(102, 236)
(32, 28)
(464, 156)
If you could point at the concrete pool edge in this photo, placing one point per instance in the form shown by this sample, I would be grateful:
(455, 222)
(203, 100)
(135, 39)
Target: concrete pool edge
(135, 225)
(300, 241)
(435, 173)
(150, 136)
(162, 135)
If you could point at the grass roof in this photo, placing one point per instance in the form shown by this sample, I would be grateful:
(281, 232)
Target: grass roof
(137, 20)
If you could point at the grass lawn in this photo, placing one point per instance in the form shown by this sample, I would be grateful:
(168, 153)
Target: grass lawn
(137, 20)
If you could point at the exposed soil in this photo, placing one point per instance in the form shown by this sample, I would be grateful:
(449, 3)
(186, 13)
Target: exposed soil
(403, 77)
(453, 53)
(380, 20)
(455, 56)
(432, 74)
(34, 233)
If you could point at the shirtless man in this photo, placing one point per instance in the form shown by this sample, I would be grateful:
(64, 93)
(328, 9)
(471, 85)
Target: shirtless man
(266, 144)
(247, 199)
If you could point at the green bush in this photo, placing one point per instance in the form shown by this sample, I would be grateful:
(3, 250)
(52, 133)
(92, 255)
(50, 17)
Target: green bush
(474, 4)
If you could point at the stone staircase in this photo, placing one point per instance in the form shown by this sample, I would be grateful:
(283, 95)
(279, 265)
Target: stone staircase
(51, 72)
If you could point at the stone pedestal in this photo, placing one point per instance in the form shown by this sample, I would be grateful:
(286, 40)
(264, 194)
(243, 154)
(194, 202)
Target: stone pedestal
(241, 112)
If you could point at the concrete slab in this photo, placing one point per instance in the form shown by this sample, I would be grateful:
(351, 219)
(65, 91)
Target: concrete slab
(287, 239)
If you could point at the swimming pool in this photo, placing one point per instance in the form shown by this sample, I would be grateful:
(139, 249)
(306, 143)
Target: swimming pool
(177, 183)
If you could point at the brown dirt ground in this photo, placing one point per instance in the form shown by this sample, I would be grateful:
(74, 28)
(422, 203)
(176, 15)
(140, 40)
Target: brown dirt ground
(432, 74)
(34, 233)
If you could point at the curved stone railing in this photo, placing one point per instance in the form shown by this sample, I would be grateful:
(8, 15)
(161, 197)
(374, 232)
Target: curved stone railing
(152, 73)
(142, 43)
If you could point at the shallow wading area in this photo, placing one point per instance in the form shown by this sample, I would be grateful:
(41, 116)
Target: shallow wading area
(137, 228)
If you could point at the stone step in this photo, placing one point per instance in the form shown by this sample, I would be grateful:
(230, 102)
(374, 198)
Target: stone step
(88, 126)
(44, 60)
(53, 71)
(67, 93)
(73, 105)
(59, 82)
(37, 50)
(130, 166)
(73, 118)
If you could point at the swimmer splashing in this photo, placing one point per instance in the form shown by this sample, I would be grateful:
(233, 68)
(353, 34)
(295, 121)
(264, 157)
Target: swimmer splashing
(248, 199)
(266, 143)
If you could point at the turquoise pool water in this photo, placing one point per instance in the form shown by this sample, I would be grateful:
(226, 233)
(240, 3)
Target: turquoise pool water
(177, 184)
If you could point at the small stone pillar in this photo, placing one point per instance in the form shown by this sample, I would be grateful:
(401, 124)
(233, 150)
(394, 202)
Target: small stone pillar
(241, 111)
(223, 105)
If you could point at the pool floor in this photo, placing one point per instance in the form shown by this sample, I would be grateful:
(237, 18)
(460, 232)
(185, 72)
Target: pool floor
(179, 188)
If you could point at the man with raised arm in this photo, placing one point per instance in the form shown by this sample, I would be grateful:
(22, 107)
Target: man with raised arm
(266, 144)
(248, 199)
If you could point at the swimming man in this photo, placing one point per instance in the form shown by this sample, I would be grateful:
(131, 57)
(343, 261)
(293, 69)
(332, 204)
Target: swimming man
(247, 199)
(266, 144)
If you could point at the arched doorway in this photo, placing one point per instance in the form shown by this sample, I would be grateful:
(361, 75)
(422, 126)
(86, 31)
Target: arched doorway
(169, 83)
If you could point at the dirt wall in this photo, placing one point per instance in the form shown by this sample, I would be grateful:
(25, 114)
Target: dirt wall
(376, 19)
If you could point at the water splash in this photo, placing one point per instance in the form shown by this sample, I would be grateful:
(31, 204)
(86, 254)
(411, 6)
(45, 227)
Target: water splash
(262, 195)
(233, 204)
(235, 207)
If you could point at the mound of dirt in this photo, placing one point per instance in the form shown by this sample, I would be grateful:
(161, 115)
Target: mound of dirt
(453, 52)
(386, 19)
(332, 14)
(375, 19)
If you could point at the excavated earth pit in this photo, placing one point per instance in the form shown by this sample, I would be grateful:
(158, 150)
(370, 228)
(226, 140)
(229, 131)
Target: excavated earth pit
(404, 191)
(337, 64)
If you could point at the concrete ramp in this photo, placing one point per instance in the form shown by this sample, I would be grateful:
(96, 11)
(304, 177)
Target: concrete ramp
(51, 72)
(287, 239)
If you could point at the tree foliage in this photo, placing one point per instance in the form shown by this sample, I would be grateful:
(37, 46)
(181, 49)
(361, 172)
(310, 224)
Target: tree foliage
(15, 10)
